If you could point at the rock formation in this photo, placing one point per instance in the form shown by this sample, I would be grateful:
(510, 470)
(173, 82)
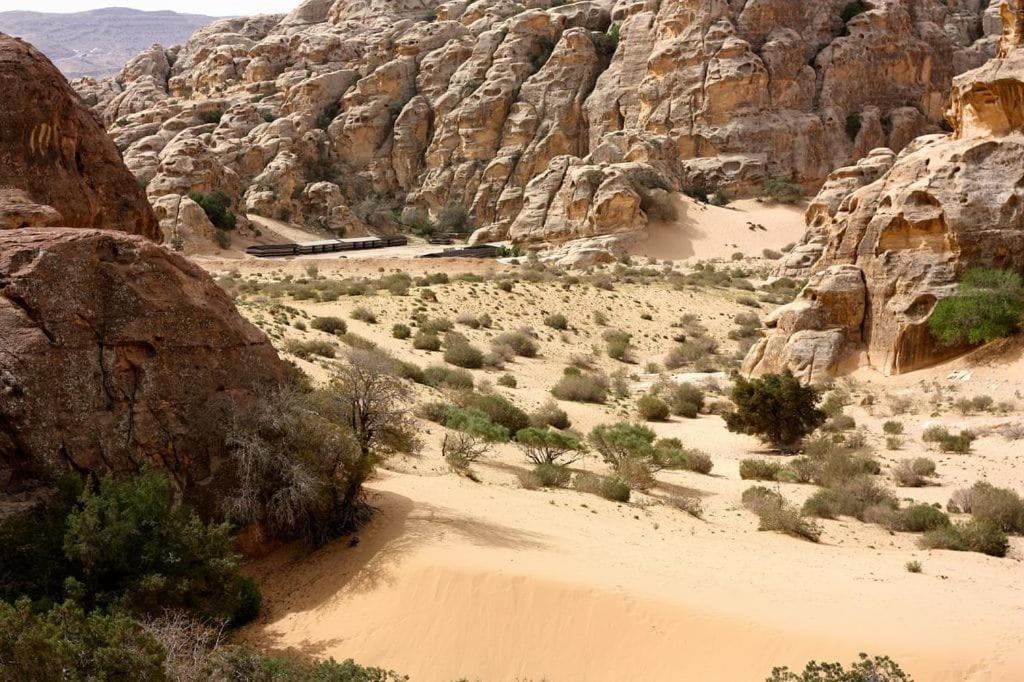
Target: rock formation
(115, 352)
(889, 238)
(55, 155)
(547, 121)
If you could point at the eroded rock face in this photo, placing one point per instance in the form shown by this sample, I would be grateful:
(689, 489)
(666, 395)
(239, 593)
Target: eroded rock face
(116, 353)
(55, 153)
(948, 202)
(542, 118)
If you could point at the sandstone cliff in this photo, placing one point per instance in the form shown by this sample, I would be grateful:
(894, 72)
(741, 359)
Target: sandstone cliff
(115, 353)
(545, 120)
(888, 238)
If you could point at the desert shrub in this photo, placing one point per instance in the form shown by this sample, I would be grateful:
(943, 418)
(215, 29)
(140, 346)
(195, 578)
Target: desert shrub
(582, 388)
(217, 206)
(545, 475)
(959, 443)
(556, 321)
(776, 408)
(976, 535)
(988, 305)
(498, 409)
(850, 498)
(549, 446)
(461, 353)
(507, 380)
(759, 470)
(237, 663)
(934, 434)
(363, 314)
(892, 428)
(611, 488)
(669, 453)
(920, 518)
(782, 189)
(521, 342)
(435, 325)
(475, 423)
(301, 458)
(686, 353)
(894, 442)
(913, 473)
(636, 472)
(652, 408)
(684, 400)
(455, 218)
(550, 414)
(309, 348)
(426, 341)
(776, 514)
(66, 643)
(331, 325)
(621, 441)
(690, 504)
(401, 331)
(771, 254)
(618, 344)
(1001, 506)
(876, 669)
(439, 376)
(222, 238)
(462, 450)
(913, 566)
(840, 422)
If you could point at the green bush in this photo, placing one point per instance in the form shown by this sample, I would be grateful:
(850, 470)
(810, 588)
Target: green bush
(988, 305)
(235, 664)
(65, 643)
(461, 353)
(548, 475)
(782, 189)
(217, 206)
(920, 518)
(1000, 506)
(549, 446)
(685, 400)
(652, 408)
(621, 441)
(759, 470)
(498, 409)
(892, 427)
(426, 341)
(401, 331)
(331, 325)
(475, 423)
(520, 341)
(669, 453)
(618, 344)
(851, 498)
(363, 314)
(439, 376)
(976, 535)
(776, 408)
(309, 348)
(876, 669)
(507, 380)
(609, 487)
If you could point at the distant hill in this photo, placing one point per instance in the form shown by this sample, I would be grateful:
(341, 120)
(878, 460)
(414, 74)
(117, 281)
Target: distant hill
(99, 42)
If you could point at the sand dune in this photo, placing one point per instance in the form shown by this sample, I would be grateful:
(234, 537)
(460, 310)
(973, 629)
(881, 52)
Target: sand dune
(502, 584)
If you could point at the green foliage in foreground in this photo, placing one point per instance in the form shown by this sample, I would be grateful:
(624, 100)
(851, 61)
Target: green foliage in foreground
(874, 669)
(988, 305)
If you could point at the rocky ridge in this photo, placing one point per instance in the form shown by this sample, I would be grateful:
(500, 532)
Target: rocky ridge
(546, 121)
(889, 237)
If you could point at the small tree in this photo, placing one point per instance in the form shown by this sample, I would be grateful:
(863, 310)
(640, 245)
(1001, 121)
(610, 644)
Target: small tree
(988, 305)
(217, 206)
(777, 408)
(618, 442)
(548, 446)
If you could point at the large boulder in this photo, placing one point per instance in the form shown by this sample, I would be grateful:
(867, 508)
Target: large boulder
(947, 203)
(54, 149)
(116, 353)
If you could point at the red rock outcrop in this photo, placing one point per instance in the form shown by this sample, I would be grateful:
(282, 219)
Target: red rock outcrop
(116, 353)
(891, 248)
(56, 152)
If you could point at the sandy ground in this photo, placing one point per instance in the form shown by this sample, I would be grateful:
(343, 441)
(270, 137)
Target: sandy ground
(487, 581)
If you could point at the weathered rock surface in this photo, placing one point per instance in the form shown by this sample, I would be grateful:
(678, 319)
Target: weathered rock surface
(545, 120)
(54, 151)
(116, 353)
(899, 242)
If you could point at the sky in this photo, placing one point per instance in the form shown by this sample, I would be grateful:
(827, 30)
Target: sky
(219, 8)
